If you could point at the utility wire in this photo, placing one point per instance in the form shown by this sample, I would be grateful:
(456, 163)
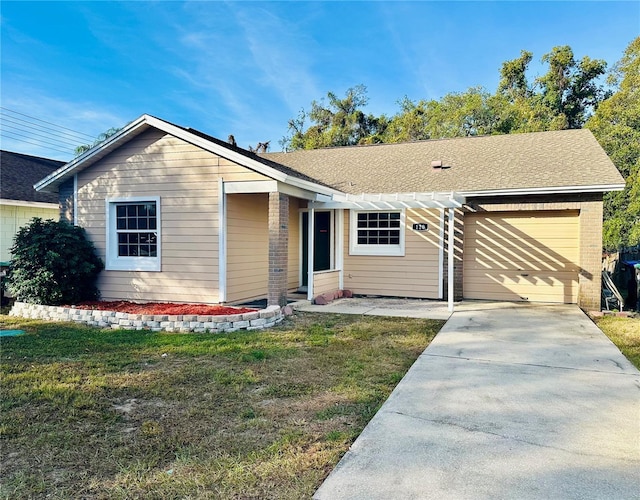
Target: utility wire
(31, 130)
(15, 125)
(81, 134)
(37, 142)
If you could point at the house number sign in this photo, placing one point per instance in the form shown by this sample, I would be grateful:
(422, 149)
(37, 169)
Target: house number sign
(421, 226)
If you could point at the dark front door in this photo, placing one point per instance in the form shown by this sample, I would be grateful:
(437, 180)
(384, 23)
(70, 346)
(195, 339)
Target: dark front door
(321, 240)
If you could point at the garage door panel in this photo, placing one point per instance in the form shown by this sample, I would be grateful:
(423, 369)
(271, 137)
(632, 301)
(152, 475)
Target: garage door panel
(502, 262)
(544, 288)
(536, 233)
(566, 296)
(516, 276)
(521, 256)
(512, 260)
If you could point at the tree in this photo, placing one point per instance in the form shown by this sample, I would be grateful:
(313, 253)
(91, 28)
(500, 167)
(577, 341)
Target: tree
(616, 125)
(101, 138)
(340, 122)
(570, 89)
(53, 263)
(564, 97)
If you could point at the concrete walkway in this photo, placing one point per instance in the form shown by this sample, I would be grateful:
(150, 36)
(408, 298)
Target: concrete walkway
(508, 401)
(407, 308)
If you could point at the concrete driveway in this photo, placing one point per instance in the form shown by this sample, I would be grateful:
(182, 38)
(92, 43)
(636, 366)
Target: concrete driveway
(509, 401)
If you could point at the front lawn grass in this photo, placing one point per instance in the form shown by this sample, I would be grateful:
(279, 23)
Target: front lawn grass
(624, 333)
(89, 413)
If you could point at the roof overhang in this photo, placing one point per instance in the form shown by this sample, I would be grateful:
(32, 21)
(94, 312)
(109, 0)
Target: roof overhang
(31, 204)
(249, 187)
(52, 181)
(598, 188)
(393, 201)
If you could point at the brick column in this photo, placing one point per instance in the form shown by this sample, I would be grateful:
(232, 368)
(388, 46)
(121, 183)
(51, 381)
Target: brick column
(590, 279)
(278, 248)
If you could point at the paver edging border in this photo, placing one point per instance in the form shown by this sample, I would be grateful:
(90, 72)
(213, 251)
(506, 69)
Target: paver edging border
(263, 318)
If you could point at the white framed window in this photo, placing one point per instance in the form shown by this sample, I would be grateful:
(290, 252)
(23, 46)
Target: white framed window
(133, 234)
(375, 232)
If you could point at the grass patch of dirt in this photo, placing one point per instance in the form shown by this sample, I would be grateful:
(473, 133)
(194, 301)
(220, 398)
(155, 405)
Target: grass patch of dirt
(624, 333)
(89, 413)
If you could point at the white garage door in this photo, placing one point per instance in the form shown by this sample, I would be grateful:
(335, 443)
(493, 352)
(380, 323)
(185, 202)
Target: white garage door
(523, 256)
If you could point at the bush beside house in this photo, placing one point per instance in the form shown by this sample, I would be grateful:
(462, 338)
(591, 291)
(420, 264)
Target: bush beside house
(53, 263)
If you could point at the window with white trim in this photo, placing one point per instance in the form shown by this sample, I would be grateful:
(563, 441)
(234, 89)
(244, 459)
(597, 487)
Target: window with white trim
(133, 234)
(376, 232)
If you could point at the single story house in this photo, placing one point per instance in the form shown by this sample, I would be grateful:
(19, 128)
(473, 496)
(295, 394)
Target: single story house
(19, 202)
(178, 215)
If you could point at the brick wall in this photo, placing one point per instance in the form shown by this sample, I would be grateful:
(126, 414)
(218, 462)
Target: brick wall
(278, 248)
(589, 206)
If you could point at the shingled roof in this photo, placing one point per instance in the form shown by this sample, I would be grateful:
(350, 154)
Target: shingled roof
(234, 153)
(18, 174)
(557, 159)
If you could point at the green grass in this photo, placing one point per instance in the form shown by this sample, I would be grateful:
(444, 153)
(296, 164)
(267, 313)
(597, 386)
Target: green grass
(625, 333)
(133, 414)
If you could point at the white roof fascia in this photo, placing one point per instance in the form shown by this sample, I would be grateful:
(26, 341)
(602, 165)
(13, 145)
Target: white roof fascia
(94, 153)
(236, 157)
(298, 192)
(271, 186)
(32, 204)
(235, 187)
(599, 188)
(151, 121)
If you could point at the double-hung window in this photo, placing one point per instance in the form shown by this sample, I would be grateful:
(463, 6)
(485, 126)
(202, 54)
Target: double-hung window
(133, 234)
(376, 232)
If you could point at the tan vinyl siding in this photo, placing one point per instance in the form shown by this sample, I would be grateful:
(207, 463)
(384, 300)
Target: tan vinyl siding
(325, 281)
(232, 172)
(185, 178)
(522, 256)
(293, 268)
(247, 246)
(416, 274)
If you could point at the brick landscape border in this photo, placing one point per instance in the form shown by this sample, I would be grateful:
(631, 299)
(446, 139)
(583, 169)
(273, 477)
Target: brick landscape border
(255, 320)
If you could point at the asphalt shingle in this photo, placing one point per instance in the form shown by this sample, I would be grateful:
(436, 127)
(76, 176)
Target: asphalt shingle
(18, 174)
(565, 158)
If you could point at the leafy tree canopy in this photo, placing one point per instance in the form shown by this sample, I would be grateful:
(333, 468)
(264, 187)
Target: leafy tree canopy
(616, 125)
(569, 94)
(101, 138)
(338, 122)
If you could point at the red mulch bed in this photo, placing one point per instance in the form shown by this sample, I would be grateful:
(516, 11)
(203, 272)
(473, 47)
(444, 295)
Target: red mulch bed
(165, 309)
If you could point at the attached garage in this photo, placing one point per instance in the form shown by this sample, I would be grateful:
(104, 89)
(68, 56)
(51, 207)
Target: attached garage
(522, 256)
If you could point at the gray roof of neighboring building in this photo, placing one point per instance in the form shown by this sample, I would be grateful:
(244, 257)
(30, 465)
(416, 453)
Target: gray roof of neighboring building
(565, 158)
(18, 174)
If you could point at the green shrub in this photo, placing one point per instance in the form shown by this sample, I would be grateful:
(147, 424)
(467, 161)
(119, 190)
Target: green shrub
(53, 263)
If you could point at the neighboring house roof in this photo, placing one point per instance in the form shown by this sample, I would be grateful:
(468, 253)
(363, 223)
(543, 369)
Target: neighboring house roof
(18, 174)
(557, 161)
(240, 156)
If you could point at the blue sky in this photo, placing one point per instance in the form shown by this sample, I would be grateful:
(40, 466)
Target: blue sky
(245, 68)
